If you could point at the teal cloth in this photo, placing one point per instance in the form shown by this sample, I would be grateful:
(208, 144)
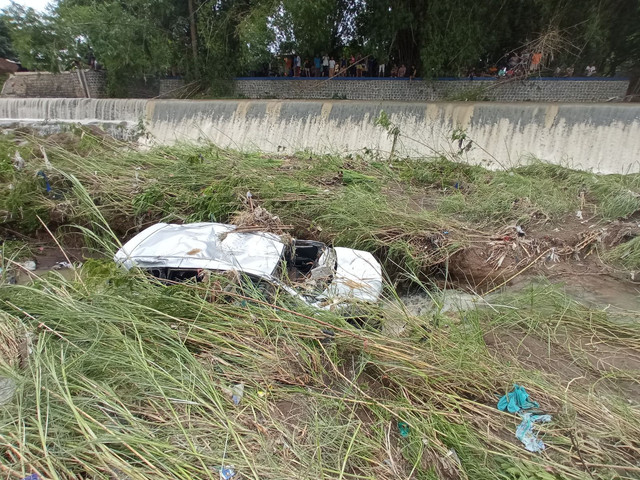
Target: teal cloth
(516, 400)
(403, 427)
(526, 433)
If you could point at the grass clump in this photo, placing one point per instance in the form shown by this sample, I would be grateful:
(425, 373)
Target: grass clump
(626, 255)
(535, 191)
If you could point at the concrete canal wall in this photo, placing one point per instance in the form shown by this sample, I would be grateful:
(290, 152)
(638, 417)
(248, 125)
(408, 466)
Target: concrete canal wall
(603, 138)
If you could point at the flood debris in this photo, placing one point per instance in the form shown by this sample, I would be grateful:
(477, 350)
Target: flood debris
(29, 265)
(403, 429)
(227, 472)
(527, 434)
(18, 161)
(313, 272)
(66, 266)
(33, 476)
(7, 390)
(516, 401)
(237, 392)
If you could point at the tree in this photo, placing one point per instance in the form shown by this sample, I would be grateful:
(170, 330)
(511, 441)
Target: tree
(6, 46)
(39, 40)
(210, 39)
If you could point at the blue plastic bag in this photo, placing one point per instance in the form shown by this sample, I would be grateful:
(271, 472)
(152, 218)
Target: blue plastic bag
(526, 433)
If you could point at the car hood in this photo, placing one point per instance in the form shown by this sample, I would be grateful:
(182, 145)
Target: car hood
(211, 246)
(358, 277)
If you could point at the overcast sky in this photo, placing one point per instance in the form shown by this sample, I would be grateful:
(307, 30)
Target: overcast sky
(36, 4)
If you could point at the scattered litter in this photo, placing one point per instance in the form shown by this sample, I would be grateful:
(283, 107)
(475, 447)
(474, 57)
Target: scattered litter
(516, 400)
(237, 392)
(403, 428)
(268, 389)
(227, 472)
(526, 433)
(452, 453)
(7, 390)
(579, 214)
(520, 231)
(46, 180)
(18, 161)
(66, 266)
(33, 476)
(553, 256)
(29, 265)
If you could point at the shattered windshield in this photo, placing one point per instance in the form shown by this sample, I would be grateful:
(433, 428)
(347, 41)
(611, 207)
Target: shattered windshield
(308, 267)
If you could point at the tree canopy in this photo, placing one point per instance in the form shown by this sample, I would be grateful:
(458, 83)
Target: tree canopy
(222, 38)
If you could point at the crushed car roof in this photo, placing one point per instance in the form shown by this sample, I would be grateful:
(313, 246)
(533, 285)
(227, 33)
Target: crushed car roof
(211, 246)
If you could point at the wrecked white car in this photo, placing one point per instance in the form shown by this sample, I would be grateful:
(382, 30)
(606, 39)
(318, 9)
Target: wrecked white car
(318, 274)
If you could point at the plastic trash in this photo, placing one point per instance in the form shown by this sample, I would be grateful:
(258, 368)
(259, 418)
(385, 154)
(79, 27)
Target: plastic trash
(62, 266)
(403, 428)
(29, 265)
(33, 476)
(18, 161)
(7, 390)
(452, 453)
(237, 392)
(227, 472)
(516, 400)
(520, 231)
(553, 256)
(526, 433)
(46, 180)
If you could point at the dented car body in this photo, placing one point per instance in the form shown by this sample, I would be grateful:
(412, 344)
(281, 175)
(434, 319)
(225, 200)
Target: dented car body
(319, 275)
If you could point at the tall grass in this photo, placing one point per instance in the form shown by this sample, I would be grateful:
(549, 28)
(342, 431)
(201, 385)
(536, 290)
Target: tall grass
(626, 255)
(131, 378)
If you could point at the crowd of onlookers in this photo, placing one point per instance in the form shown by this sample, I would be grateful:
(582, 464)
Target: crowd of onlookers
(343, 66)
(525, 64)
(511, 65)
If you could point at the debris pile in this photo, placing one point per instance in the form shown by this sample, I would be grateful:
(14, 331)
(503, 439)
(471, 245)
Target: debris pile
(254, 218)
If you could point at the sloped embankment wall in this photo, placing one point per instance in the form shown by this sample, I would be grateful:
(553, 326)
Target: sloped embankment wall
(600, 137)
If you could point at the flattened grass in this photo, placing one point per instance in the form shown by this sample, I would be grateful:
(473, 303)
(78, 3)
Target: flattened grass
(128, 377)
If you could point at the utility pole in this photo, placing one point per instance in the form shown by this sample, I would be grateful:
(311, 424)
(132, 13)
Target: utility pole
(194, 36)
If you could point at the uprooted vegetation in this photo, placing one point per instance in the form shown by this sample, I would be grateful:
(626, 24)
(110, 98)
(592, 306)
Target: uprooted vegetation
(119, 376)
(412, 214)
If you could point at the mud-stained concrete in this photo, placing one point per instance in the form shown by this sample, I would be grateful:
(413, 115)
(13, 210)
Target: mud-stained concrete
(604, 138)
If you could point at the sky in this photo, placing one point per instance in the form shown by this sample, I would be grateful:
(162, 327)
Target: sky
(35, 4)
